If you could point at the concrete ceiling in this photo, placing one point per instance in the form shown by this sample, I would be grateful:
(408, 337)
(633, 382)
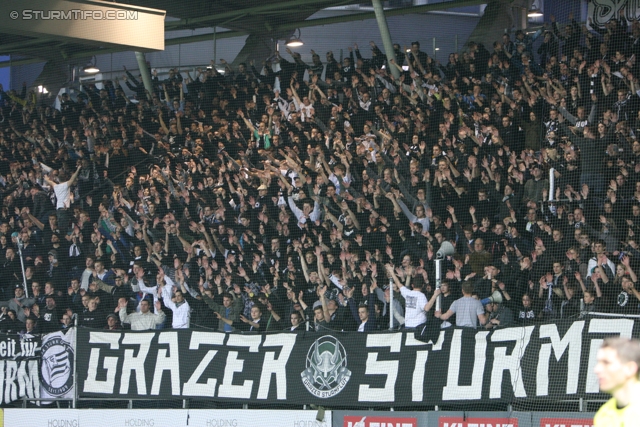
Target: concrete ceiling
(265, 19)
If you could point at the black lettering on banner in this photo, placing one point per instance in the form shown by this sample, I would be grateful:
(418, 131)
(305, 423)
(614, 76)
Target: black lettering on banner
(602, 11)
(550, 361)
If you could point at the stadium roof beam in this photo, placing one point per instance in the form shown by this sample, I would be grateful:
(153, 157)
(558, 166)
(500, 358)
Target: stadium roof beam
(334, 20)
(90, 22)
(19, 45)
(290, 26)
(168, 42)
(219, 18)
(389, 12)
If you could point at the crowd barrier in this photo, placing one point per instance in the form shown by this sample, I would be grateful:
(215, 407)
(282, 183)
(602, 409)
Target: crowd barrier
(162, 418)
(530, 367)
(461, 419)
(378, 370)
(284, 418)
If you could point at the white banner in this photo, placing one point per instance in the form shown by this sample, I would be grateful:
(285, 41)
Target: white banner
(602, 11)
(162, 418)
(57, 365)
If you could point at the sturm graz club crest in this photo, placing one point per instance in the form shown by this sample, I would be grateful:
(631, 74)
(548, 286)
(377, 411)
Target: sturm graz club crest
(57, 368)
(326, 374)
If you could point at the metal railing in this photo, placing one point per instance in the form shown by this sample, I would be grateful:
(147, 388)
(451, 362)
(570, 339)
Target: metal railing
(26, 400)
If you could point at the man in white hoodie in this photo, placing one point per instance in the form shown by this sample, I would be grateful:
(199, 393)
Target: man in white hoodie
(174, 300)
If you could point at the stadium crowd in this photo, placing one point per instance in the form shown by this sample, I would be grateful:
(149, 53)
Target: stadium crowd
(292, 196)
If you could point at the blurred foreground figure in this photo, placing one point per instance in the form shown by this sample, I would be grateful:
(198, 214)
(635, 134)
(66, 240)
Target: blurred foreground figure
(617, 370)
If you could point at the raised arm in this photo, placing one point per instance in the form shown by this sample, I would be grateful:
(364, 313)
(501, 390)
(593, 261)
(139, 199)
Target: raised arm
(567, 115)
(36, 221)
(433, 299)
(396, 206)
(320, 264)
(349, 212)
(303, 262)
(167, 100)
(295, 95)
(246, 121)
(628, 269)
(334, 220)
(325, 308)
(578, 277)
(162, 123)
(74, 177)
(396, 279)
(167, 291)
(411, 217)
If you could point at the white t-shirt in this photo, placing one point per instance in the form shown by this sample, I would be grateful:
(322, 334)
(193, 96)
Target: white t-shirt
(63, 195)
(415, 301)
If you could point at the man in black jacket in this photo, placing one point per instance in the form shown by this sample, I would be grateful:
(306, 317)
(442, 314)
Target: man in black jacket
(50, 316)
(10, 267)
(120, 290)
(592, 150)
